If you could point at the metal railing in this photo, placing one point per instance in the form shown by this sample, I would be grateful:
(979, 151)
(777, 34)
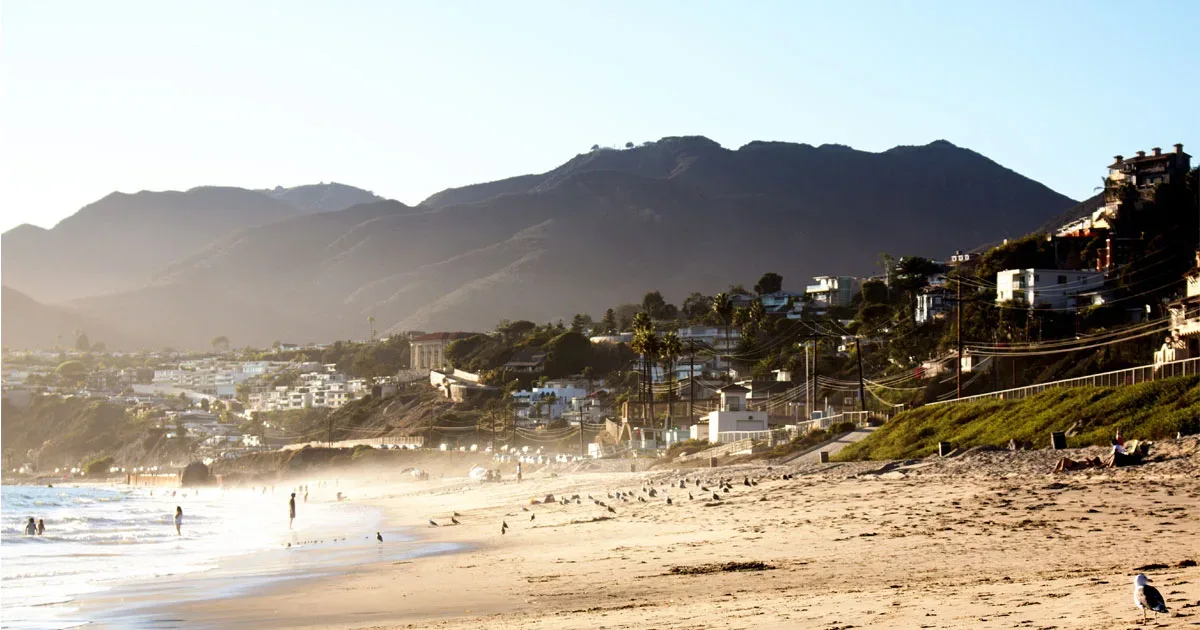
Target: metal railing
(719, 450)
(1116, 378)
(771, 437)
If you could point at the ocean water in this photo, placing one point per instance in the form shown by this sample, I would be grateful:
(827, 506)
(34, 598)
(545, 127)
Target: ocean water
(99, 538)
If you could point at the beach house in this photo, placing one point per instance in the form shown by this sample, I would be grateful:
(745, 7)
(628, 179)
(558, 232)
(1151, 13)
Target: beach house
(733, 416)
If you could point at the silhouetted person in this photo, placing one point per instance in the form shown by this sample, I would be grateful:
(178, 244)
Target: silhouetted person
(178, 520)
(41, 528)
(291, 510)
(31, 527)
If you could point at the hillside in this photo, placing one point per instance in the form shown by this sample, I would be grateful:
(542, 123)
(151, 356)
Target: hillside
(116, 243)
(678, 215)
(30, 324)
(314, 198)
(1090, 415)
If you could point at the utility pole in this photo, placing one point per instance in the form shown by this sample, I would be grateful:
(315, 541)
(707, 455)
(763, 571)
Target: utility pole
(807, 389)
(815, 391)
(429, 439)
(958, 332)
(582, 445)
(329, 432)
(692, 380)
(862, 392)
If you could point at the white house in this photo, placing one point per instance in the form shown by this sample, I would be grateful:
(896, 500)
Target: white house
(833, 290)
(1048, 288)
(733, 415)
(932, 303)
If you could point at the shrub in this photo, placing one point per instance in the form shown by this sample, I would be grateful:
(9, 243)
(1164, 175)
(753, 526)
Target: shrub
(97, 466)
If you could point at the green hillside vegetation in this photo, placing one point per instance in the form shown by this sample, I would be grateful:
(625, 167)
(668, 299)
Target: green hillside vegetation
(1090, 415)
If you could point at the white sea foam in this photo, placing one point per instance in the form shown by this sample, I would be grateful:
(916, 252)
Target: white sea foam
(98, 537)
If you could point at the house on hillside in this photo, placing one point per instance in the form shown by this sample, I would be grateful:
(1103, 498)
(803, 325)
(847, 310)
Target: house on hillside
(933, 302)
(428, 352)
(833, 290)
(1183, 338)
(1143, 172)
(526, 362)
(782, 303)
(1058, 289)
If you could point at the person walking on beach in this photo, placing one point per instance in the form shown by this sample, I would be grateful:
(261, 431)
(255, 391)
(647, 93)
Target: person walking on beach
(30, 528)
(291, 510)
(178, 520)
(518, 471)
(41, 528)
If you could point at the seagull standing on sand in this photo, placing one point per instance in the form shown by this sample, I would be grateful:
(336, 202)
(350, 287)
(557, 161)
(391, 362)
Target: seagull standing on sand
(378, 536)
(1147, 597)
(432, 523)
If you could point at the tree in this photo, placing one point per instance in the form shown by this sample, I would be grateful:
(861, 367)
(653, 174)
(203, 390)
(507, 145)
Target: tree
(722, 309)
(82, 343)
(220, 343)
(669, 350)
(567, 354)
(371, 326)
(770, 282)
(99, 347)
(696, 307)
(628, 145)
(625, 314)
(654, 305)
(608, 324)
(71, 371)
(582, 322)
(646, 343)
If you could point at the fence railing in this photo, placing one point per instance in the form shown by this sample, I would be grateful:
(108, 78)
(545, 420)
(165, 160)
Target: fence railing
(719, 450)
(770, 437)
(1116, 378)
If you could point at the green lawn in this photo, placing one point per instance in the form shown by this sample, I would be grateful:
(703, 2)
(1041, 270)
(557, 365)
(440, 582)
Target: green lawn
(1145, 411)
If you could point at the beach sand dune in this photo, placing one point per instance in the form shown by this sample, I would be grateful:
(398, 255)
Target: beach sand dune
(989, 539)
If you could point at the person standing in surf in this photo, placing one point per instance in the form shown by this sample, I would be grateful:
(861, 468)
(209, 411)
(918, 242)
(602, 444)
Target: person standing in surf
(31, 527)
(178, 520)
(291, 510)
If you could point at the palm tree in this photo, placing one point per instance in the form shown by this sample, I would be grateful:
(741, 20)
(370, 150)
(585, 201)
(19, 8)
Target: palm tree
(371, 324)
(722, 308)
(646, 343)
(670, 347)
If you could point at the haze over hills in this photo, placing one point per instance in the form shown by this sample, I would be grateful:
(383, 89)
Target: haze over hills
(118, 242)
(677, 215)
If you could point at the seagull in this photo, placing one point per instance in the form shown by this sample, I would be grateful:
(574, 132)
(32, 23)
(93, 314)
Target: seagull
(378, 536)
(457, 514)
(611, 510)
(690, 497)
(668, 500)
(432, 524)
(716, 497)
(1147, 597)
(455, 521)
(532, 516)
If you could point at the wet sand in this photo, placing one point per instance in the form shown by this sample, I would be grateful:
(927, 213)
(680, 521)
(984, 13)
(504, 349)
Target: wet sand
(990, 539)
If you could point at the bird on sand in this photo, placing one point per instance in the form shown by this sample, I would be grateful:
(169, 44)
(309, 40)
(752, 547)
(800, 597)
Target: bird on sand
(668, 500)
(1147, 597)
(432, 523)
(455, 521)
(457, 514)
(524, 509)
(611, 510)
(690, 497)
(716, 497)
(532, 516)
(503, 527)
(378, 536)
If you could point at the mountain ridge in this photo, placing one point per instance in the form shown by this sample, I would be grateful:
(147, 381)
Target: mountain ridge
(678, 215)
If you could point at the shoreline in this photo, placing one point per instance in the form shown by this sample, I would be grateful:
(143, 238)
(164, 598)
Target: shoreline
(862, 544)
(845, 544)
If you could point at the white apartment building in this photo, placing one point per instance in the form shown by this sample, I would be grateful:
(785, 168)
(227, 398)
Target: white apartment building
(1048, 288)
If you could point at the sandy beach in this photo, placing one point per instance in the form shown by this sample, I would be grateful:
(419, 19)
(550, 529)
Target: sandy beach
(988, 539)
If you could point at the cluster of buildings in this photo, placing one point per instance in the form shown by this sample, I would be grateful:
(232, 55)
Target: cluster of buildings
(213, 376)
(324, 387)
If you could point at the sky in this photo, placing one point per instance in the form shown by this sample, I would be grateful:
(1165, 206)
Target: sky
(406, 98)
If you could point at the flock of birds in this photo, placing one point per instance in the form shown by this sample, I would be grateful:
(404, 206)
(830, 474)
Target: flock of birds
(1146, 597)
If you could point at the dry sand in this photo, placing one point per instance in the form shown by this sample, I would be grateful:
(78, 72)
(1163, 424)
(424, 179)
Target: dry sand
(985, 540)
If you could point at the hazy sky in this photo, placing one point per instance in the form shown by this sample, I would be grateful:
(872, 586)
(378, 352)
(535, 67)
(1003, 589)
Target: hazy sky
(406, 99)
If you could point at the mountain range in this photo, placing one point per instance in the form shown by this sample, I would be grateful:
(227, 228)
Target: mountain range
(678, 215)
